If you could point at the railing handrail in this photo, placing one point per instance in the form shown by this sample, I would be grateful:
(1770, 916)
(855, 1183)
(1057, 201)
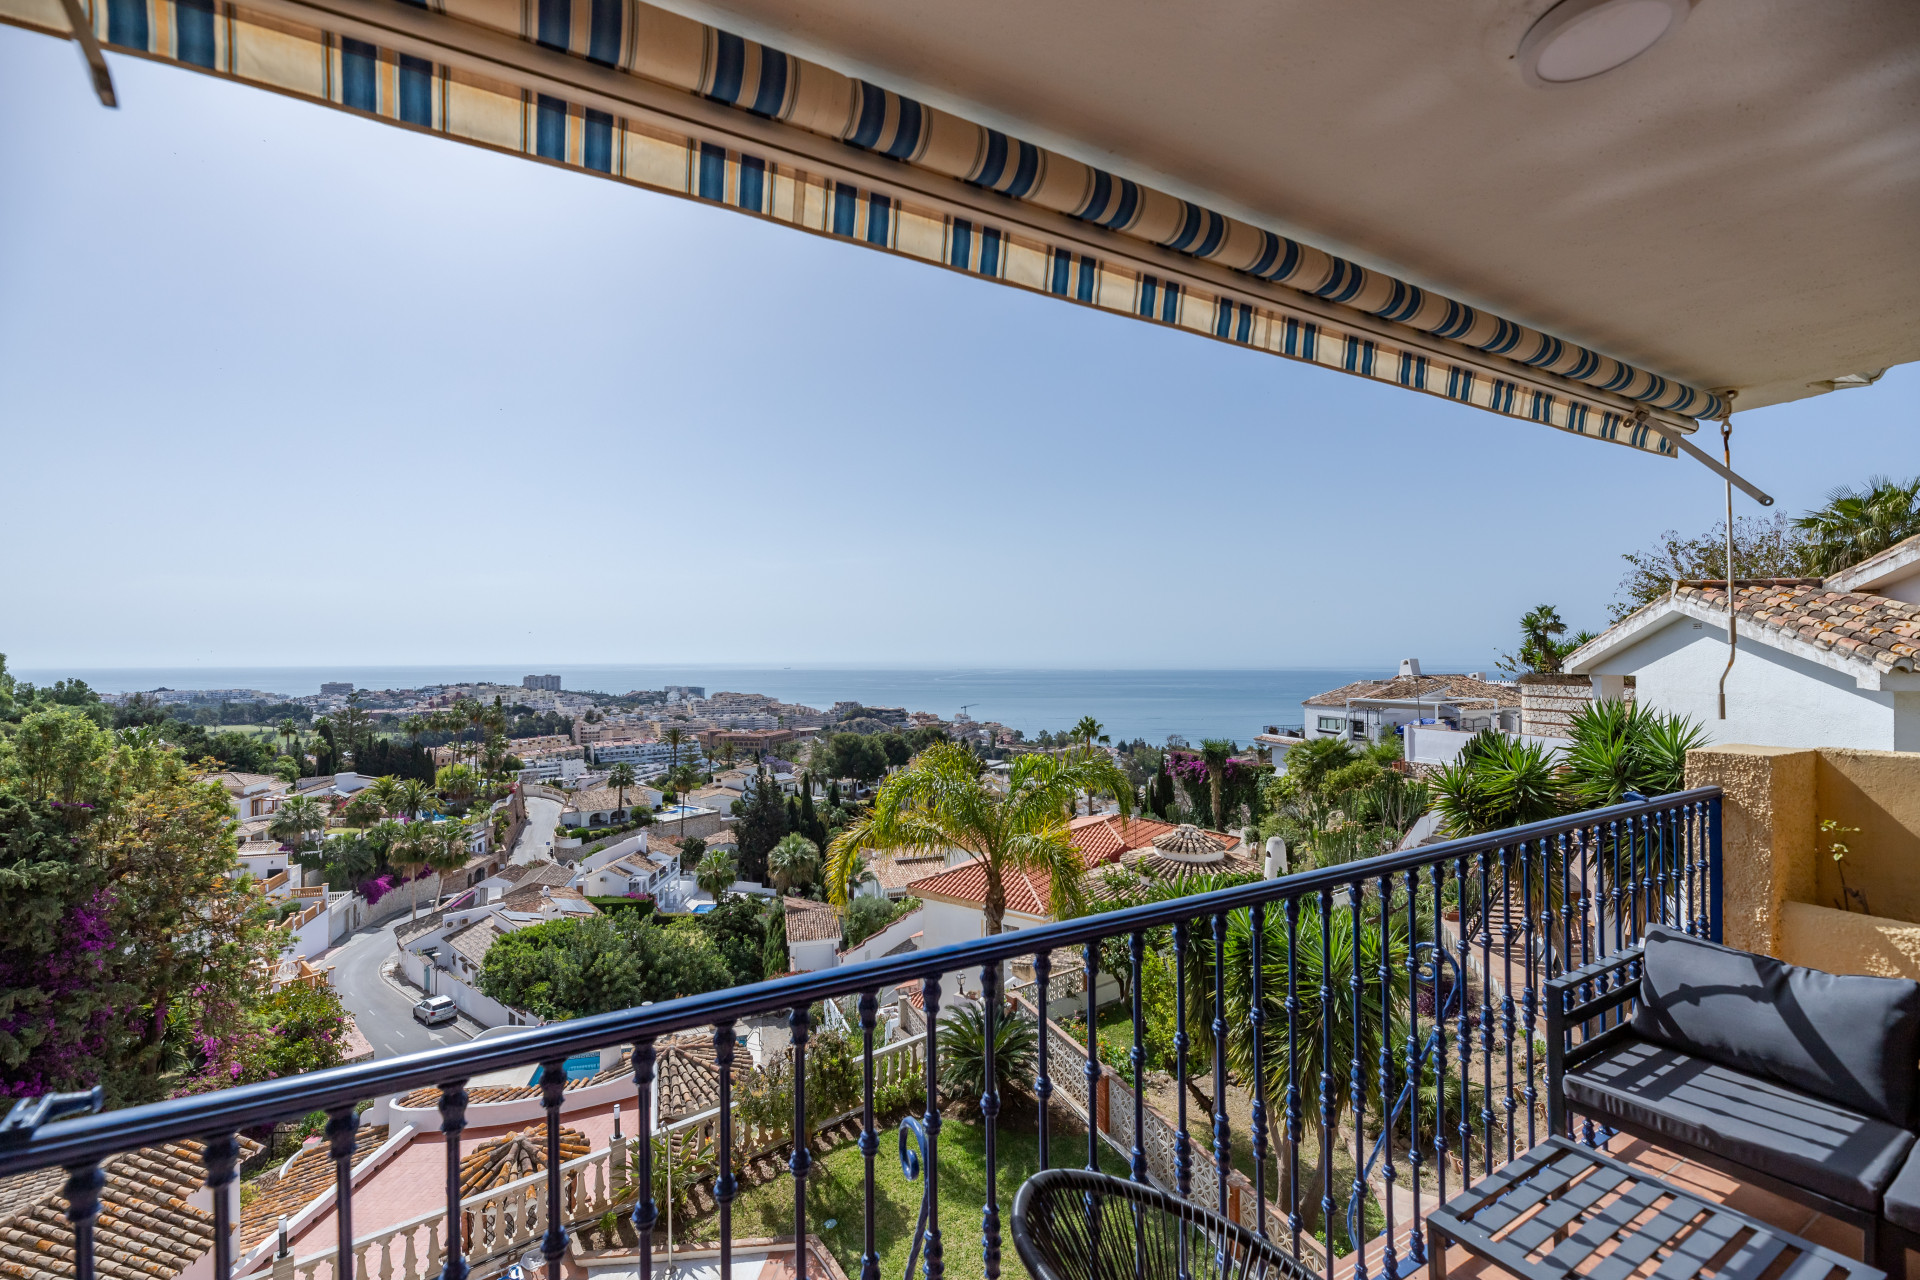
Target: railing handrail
(78, 1140)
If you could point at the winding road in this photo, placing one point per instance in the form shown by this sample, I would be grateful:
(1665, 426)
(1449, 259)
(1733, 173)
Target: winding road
(384, 1012)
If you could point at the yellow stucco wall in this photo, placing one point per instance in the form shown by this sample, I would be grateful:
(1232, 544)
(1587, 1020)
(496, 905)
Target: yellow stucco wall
(1767, 827)
(1847, 942)
(1878, 792)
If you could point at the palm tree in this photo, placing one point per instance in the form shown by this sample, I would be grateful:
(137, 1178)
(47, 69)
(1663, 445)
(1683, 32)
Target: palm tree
(457, 784)
(296, 822)
(940, 801)
(415, 795)
(620, 777)
(446, 848)
(386, 792)
(674, 736)
(1857, 523)
(793, 861)
(1541, 648)
(1323, 1031)
(288, 730)
(1216, 752)
(715, 874)
(1086, 733)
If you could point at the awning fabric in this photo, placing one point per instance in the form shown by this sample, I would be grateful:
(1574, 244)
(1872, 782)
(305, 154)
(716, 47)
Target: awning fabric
(651, 98)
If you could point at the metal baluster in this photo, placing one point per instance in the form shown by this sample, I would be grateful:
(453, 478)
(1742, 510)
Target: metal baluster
(1586, 902)
(553, 1088)
(1565, 961)
(1617, 893)
(800, 1161)
(1222, 1149)
(1437, 876)
(1137, 1056)
(342, 1122)
(221, 1155)
(1463, 1041)
(1257, 1028)
(645, 1211)
(1356, 1095)
(1091, 1072)
(1292, 1099)
(1661, 841)
(1683, 832)
(725, 1185)
(869, 1135)
(453, 1119)
(1696, 867)
(1529, 998)
(1643, 858)
(1326, 1072)
(1389, 1260)
(1416, 1158)
(1486, 1014)
(1042, 1084)
(990, 1111)
(935, 1251)
(82, 1191)
(1182, 1158)
(1509, 1103)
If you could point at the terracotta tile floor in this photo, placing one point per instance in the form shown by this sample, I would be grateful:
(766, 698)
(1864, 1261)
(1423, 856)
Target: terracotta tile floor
(1708, 1183)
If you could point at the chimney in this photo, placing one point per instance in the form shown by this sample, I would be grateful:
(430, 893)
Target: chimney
(1277, 864)
(1409, 666)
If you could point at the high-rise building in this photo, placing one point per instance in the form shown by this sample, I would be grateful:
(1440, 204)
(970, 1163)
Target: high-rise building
(684, 692)
(340, 687)
(541, 682)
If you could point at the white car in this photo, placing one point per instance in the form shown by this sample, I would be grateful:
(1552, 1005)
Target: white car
(435, 1011)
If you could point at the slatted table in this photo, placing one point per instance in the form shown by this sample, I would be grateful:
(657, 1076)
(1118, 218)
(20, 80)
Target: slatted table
(1564, 1210)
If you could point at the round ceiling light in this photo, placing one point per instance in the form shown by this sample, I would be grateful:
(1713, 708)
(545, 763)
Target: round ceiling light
(1579, 39)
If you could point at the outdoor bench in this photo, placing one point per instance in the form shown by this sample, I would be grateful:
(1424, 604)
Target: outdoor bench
(1800, 1082)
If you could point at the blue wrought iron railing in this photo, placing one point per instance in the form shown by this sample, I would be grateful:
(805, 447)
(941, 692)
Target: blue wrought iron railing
(1430, 1049)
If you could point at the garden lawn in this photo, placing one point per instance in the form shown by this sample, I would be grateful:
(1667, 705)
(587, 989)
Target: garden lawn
(835, 1190)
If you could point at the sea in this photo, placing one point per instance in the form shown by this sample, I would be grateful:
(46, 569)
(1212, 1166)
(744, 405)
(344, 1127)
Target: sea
(1153, 704)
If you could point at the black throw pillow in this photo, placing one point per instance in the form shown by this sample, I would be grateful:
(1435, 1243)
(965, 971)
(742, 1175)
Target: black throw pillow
(1850, 1040)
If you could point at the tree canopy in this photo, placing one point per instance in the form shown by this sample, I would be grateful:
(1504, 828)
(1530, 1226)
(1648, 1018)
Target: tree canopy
(596, 964)
(130, 956)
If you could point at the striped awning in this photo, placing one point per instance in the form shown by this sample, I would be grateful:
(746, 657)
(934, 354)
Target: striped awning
(643, 96)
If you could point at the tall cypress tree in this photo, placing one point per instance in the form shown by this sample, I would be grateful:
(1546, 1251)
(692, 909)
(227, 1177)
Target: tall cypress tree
(810, 825)
(761, 827)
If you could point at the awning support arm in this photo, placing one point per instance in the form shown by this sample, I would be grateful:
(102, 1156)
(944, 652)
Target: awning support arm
(1706, 459)
(90, 50)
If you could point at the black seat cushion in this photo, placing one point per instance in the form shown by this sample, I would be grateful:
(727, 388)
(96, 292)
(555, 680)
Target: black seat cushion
(1902, 1204)
(1851, 1040)
(1806, 1141)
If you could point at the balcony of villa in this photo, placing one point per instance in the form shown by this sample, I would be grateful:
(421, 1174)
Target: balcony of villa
(658, 1140)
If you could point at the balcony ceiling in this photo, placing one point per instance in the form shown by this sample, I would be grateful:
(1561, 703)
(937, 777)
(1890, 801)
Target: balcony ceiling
(1736, 208)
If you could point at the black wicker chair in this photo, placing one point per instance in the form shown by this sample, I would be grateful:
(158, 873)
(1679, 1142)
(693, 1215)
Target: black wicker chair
(1069, 1224)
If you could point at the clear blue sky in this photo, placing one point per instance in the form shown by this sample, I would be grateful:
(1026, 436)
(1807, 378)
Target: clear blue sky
(280, 386)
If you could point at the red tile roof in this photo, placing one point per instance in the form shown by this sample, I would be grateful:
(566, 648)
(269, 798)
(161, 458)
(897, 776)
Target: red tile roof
(1875, 631)
(1101, 840)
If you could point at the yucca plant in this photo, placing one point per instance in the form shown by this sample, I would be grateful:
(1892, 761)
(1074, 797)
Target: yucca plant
(1498, 782)
(1620, 747)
